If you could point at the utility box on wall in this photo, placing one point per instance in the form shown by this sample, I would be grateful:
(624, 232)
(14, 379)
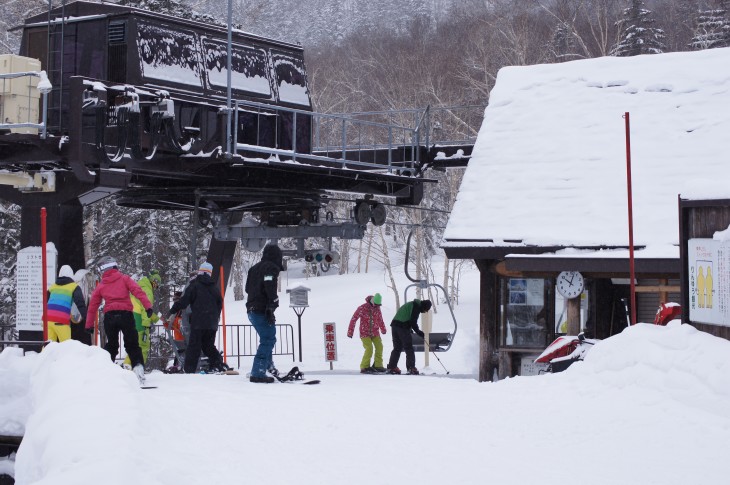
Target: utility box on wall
(19, 97)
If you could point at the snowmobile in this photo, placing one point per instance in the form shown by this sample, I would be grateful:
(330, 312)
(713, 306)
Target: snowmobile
(567, 349)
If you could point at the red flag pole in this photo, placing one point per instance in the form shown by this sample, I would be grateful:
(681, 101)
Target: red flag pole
(44, 277)
(223, 314)
(632, 272)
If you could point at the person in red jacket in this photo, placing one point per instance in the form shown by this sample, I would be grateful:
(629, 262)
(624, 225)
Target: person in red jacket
(371, 325)
(114, 288)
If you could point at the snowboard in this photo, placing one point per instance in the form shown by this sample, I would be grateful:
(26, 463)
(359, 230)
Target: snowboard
(296, 376)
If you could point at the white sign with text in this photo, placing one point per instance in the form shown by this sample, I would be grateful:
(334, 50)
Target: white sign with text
(29, 286)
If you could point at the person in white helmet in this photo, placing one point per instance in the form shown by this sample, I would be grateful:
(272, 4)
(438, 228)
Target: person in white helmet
(114, 289)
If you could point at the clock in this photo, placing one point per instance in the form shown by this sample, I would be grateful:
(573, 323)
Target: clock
(570, 284)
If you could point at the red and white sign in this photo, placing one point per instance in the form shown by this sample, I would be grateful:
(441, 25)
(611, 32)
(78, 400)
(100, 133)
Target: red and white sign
(330, 343)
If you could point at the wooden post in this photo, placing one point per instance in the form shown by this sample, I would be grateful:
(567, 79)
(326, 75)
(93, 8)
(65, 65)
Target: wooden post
(573, 315)
(426, 324)
(488, 319)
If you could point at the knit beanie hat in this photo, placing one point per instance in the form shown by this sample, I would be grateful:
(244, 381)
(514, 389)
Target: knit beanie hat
(206, 268)
(377, 299)
(425, 306)
(66, 271)
(154, 277)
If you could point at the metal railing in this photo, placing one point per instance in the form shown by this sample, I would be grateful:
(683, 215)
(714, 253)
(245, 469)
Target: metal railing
(241, 341)
(21, 343)
(347, 138)
(43, 86)
(332, 136)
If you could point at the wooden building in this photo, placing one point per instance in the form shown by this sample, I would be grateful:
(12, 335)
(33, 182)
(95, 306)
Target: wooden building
(543, 208)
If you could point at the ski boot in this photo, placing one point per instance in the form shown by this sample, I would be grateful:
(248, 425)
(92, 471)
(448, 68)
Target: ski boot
(392, 370)
(139, 372)
(413, 371)
(367, 370)
(262, 379)
(380, 370)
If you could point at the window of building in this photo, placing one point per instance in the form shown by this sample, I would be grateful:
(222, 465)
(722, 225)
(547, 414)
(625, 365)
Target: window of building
(524, 309)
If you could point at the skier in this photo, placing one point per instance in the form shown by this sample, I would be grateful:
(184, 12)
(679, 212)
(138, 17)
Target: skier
(61, 298)
(143, 323)
(114, 288)
(261, 286)
(206, 302)
(406, 318)
(371, 325)
(177, 332)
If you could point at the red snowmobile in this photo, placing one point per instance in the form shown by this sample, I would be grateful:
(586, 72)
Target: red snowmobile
(567, 349)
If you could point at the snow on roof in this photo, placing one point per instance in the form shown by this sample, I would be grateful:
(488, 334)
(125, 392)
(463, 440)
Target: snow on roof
(549, 164)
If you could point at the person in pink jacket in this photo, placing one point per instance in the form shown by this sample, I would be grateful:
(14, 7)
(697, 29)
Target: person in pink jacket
(114, 288)
(371, 325)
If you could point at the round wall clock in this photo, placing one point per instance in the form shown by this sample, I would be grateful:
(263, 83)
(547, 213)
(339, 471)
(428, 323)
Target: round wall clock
(570, 284)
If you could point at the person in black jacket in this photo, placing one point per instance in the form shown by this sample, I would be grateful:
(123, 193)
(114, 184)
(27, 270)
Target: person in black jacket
(263, 299)
(204, 298)
(405, 320)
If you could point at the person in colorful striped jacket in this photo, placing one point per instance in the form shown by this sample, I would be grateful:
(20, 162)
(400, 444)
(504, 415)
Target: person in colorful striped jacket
(371, 326)
(61, 297)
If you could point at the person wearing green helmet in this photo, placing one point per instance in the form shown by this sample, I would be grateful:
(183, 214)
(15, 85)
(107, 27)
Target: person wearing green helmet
(371, 326)
(142, 322)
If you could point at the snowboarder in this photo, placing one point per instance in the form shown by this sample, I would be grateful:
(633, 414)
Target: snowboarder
(114, 288)
(261, 286)
(206, 302)
(371, 325)
(406, 318)
(142, 323)
(62, 296)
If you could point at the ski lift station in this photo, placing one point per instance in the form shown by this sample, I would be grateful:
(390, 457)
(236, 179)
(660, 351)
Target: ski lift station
(160, 112)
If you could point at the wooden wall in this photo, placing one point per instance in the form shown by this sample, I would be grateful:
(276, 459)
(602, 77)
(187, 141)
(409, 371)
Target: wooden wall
(700, 219)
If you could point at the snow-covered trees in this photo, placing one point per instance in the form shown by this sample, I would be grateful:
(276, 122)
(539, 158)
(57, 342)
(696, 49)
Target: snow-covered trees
(638, 36)
(9, 245)
(713, 26)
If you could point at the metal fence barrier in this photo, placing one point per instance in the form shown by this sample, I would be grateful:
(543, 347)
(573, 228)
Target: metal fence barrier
(241, 341)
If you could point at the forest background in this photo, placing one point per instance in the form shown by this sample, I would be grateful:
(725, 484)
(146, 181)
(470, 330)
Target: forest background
(376, 56)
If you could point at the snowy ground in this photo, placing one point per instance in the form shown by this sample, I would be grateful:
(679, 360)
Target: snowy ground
(648, 406)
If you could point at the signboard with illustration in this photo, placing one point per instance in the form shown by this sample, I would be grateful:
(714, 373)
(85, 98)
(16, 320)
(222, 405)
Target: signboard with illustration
(708, 270)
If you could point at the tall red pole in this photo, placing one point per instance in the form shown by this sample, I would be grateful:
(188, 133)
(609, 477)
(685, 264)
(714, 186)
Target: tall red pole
(632, 272)
(44, 277)
(223, 314)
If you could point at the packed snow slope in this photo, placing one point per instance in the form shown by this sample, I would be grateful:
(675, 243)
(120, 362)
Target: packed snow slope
(648, 406)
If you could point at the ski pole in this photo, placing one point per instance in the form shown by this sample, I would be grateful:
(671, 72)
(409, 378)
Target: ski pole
(442, 365)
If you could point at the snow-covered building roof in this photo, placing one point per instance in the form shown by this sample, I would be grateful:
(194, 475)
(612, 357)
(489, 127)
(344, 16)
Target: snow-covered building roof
(549, 164)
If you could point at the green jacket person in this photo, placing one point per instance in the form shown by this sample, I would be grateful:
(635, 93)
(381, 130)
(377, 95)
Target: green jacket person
(148, 284)
(405, 320)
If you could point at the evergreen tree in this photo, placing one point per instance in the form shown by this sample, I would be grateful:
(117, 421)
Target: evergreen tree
(176, 8)
(713, 27)
(143, 239)
(638, 35)
(563, 43)
(9, 245)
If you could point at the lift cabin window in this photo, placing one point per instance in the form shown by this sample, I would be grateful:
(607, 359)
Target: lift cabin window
(524, 312)
(168, 54)
(249, 71)
(291, 79)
